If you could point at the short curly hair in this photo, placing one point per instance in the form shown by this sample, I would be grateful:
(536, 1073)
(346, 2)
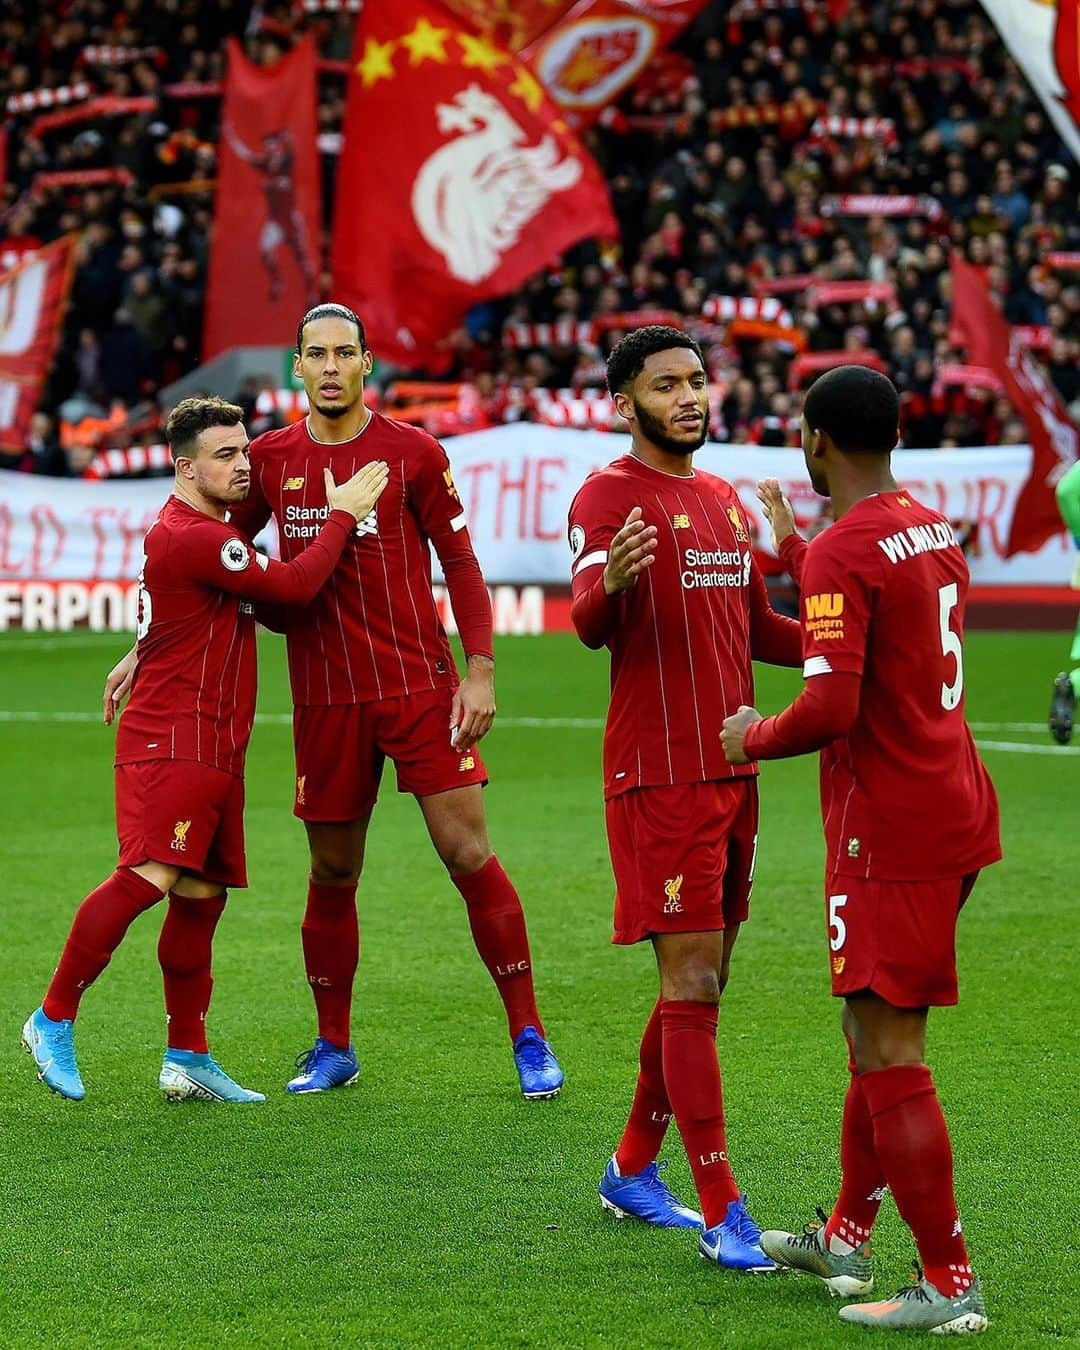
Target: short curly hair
(192, 416)
(858, 408)
(630, 353)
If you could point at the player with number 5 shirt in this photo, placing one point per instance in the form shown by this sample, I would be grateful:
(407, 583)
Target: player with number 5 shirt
(910, 817)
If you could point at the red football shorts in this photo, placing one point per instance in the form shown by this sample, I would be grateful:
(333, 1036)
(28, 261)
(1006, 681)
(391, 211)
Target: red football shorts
(895, 938)
(341, 749)
(683, 857)
(182, 814)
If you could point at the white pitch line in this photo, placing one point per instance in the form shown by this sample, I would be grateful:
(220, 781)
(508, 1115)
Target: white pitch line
(285, 719)
(64, 643)
(1018, 748)
(1007, 726)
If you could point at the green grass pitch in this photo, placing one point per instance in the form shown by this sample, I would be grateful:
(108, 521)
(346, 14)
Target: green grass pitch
(430, 1205)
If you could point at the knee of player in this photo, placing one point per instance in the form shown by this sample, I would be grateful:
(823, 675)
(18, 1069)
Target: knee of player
(328, 870)
(693, 984)
(464, 855)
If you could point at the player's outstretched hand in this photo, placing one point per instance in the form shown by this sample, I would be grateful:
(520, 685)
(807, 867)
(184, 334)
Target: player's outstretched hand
(117, 687)
(359, 493)
(731, 738)
(777, 510)
(631, 551)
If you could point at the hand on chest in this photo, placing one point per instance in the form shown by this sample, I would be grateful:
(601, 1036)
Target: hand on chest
(301, 507)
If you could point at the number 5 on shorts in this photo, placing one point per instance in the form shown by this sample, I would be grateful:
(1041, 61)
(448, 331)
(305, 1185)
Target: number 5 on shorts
(837, 926)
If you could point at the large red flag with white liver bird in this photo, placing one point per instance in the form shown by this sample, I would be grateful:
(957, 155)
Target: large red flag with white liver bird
(458, 179)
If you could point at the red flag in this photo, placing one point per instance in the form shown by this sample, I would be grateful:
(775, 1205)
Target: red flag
(1055, 441)
(264, 250)
(458, 179)
(32, 300)
(586, 60)
(511, 23)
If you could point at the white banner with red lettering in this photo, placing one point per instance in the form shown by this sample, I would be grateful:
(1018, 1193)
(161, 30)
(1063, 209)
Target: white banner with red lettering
(516, 483)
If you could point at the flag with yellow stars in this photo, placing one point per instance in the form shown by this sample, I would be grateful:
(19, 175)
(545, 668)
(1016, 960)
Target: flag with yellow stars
(511, 23)
(458, 179)
(588, 57)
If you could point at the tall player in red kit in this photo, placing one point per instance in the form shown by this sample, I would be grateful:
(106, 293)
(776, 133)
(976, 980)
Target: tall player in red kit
(910, 817)
(663, 574)
(182, 740)
(373, 677)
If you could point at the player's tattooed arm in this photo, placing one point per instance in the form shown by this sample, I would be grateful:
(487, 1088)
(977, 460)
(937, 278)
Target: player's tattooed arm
(473, 709)
(631, 552)
(118, 686)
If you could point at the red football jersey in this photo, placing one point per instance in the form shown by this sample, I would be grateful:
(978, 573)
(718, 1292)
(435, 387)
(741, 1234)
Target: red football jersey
(682, 638)
(374, 631)
(904, 796)
(194, 692)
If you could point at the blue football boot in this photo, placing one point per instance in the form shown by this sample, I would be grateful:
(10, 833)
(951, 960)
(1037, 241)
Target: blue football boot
(52, 1046)
(323, 1067)
(735, 1243)
(644, 1196)
(188, 1076)
(539, 1071)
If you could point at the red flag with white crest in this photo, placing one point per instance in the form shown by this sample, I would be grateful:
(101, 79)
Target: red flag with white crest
(458, 179)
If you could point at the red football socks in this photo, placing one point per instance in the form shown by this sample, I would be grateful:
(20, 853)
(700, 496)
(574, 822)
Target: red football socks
(650, 1111)
(99, 927)
(184, 948)
(862, 1182)
(330, 934)
(912, 1143)
(498, 929)
(692, 1079)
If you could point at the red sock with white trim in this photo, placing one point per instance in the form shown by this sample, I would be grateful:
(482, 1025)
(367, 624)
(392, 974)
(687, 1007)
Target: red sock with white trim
(650, 1111)
(502, 940)
(694, 1089)
(862, 1182)
(184, 950)
(98, 929)
(912, 1143)
(330, 934)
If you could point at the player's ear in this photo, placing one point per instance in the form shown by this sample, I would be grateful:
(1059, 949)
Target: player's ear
(367, 361)
(624, 405)
(296, 365)
(185, 468)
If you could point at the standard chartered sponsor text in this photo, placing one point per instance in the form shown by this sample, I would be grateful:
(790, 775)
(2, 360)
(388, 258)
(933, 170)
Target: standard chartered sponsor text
(293, 526)
(695, 558)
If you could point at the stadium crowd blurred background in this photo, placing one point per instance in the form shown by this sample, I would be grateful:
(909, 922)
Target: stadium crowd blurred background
(730, 164)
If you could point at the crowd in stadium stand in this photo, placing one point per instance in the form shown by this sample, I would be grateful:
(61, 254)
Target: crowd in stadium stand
(739, 168)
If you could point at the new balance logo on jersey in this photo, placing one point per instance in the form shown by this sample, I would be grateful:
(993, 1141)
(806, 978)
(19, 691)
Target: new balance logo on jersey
(672, 889)
(838, 964)
(467, 762)
(179, 839)
(448, 479)
(293, 484)
(681, 521)
(369, 525)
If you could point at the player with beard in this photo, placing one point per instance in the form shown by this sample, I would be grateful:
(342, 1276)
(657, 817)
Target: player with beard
(373, 677)
(663, 575)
